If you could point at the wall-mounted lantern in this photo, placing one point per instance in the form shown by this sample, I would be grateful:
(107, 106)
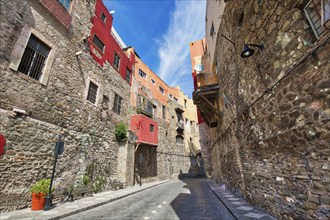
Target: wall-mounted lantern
(247, 51)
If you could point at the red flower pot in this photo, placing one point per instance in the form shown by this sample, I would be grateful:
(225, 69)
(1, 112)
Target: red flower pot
(38, 201)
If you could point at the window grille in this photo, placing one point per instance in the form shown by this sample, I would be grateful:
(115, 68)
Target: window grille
(142, 74)
(116, 61)
(92, 92)
(34, 58)
(117, 104)
(98, 43)
(65, 3)
(103, 17)
(128, 75)
(313, 11)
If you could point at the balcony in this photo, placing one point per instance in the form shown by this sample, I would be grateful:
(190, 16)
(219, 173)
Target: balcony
(178, 108)
(144, 106)
(206, 98)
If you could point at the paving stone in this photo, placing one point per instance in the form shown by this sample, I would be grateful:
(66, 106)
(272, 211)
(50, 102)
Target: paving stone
(245, 208)
(254, 215)
(233, 199)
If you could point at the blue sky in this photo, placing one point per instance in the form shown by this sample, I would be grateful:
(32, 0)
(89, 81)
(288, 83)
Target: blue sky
(160, 31)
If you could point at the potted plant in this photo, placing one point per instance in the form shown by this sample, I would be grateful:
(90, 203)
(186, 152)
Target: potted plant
(39, 191)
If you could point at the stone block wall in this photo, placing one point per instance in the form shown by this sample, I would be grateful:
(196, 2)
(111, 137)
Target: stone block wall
(273, 145)
(58, 106)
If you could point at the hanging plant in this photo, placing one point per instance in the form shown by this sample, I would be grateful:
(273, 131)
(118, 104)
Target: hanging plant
(121, 132)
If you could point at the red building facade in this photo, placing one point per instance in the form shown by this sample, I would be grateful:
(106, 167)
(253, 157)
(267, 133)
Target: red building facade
(145, 128)
(104, 47)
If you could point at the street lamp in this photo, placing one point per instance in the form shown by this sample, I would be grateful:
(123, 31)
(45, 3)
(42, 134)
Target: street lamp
(247, 51)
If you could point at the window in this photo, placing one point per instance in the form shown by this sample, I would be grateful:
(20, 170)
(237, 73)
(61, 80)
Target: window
(34, 57)
(65, 3)
(212, 30)
(116, 61)
(117, 104)
(170, 96)
(153, 82)
(128, 75)
(163, 111)
(185, 103)
(105, 102)
(151, 128)
(318, 13)
(175, 99)
(98, 43)
(103, 17)
(142, 74)
(161, 90)
(92, 92)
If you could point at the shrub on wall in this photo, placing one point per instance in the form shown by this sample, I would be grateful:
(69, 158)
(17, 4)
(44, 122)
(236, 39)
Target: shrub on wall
(121, 132)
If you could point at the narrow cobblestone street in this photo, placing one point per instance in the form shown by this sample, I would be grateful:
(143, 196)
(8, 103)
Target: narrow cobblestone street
(186, 199)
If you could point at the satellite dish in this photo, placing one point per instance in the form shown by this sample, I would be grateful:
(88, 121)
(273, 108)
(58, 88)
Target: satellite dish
(112, 12)
(199, 67)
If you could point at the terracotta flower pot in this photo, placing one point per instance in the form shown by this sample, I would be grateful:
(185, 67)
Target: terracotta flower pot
(38, 201)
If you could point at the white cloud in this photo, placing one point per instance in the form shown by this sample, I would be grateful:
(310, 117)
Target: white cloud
(187, 24)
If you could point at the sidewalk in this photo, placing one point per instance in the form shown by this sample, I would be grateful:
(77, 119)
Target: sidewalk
(65, 209)
(237, 206)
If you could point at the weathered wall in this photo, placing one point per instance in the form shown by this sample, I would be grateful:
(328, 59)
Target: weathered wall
(273, 145)
(59, 107)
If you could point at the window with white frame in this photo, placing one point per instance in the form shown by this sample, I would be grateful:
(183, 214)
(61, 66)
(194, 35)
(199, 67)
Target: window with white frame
(65, 3)
(34, 58)
(142, 74)
(92, 92)
(98, 43)
(318, 15)
(117, 104)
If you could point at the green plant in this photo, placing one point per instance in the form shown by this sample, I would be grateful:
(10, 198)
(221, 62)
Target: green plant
(86, 180)
(121, 132)
(42, 186)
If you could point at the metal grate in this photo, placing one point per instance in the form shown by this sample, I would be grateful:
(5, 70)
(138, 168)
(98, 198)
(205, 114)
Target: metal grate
(117, 104)
(98, 43)
(313, 12)
(116, 61)
(34, 57)
(92, 92)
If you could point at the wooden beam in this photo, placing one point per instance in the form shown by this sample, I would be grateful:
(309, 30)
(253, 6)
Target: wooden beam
(136, 147)
(211, 106)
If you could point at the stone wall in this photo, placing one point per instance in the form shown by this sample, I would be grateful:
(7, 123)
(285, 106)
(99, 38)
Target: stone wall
(57, 107)
(273, 145)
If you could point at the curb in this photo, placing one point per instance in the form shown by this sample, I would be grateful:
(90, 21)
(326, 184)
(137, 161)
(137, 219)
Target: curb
(222, 201)
(102, 203)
